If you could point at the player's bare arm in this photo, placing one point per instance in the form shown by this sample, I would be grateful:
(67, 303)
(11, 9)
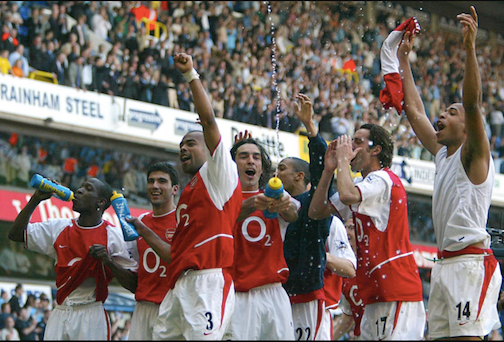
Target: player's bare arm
(17, 230)
(184, 64)
(413, 105)
(320, 207)
(162, 248)
(304, 111)
(349, 194)
(340, 266)
(476, 149)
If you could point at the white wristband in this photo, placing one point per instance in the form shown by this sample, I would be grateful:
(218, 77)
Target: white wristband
(191, 75)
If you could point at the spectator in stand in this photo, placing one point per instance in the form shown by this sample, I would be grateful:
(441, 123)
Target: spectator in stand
(160, 90)
(80, 29)
(9, 332)
(4, 296)
(70, 168)
(74, 73)
(34, 24)
(37, 60)
(22, 163)
(184, 98)
(9, 40)
(120, 21)
(93, 170)
(3, 167)
(58, 67)
(130, 181)
(5, 312)
(71, 46)
(31, 305)
(130, 39)
(496, 118)
(146, 85)
(56, 22)
(103, 82)
(43, 305)
(49, 56)
(25, 325)
(19, 54)
(100, 23)
(49, 37)
(17, 69)
(129, 84)
(5, 66)
(42, 324)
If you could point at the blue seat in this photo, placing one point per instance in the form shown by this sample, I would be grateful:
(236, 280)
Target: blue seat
(23, 30)
(24, 11)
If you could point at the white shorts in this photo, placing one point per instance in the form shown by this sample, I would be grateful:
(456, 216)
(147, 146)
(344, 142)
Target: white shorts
(142, 321)
(382, 321)
(462, 300)
(199, 307)
(78, 322)
(312, 322)
(263, 313)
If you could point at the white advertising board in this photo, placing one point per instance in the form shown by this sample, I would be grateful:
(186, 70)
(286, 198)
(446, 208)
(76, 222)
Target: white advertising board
(126, 119)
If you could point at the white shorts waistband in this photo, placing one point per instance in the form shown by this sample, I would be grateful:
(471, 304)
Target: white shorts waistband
(76, 306)
(191, 272)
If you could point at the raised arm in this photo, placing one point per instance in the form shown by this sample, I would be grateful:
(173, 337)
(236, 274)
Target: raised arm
(476, 149)
(18, 228)
(317, 146)
(413, 105)
(348, 192)
(320, 207)
(304, 112)
(184, 64)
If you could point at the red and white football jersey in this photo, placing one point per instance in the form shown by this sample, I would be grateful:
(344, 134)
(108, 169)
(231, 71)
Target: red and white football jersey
(206, 214)
(152, 270)
(351, 302)
(338, 245)
(68, 243)
(384, 252)
(259, 256)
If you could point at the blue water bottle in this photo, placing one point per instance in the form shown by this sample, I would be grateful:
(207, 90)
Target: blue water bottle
(122, 210)
(44, 184)
(274, 189)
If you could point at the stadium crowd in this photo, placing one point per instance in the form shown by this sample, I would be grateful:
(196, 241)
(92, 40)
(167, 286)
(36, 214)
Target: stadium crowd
(332, 58)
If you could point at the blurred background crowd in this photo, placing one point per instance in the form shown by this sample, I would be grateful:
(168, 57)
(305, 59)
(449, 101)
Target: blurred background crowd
(327, 51)
(24, 315)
